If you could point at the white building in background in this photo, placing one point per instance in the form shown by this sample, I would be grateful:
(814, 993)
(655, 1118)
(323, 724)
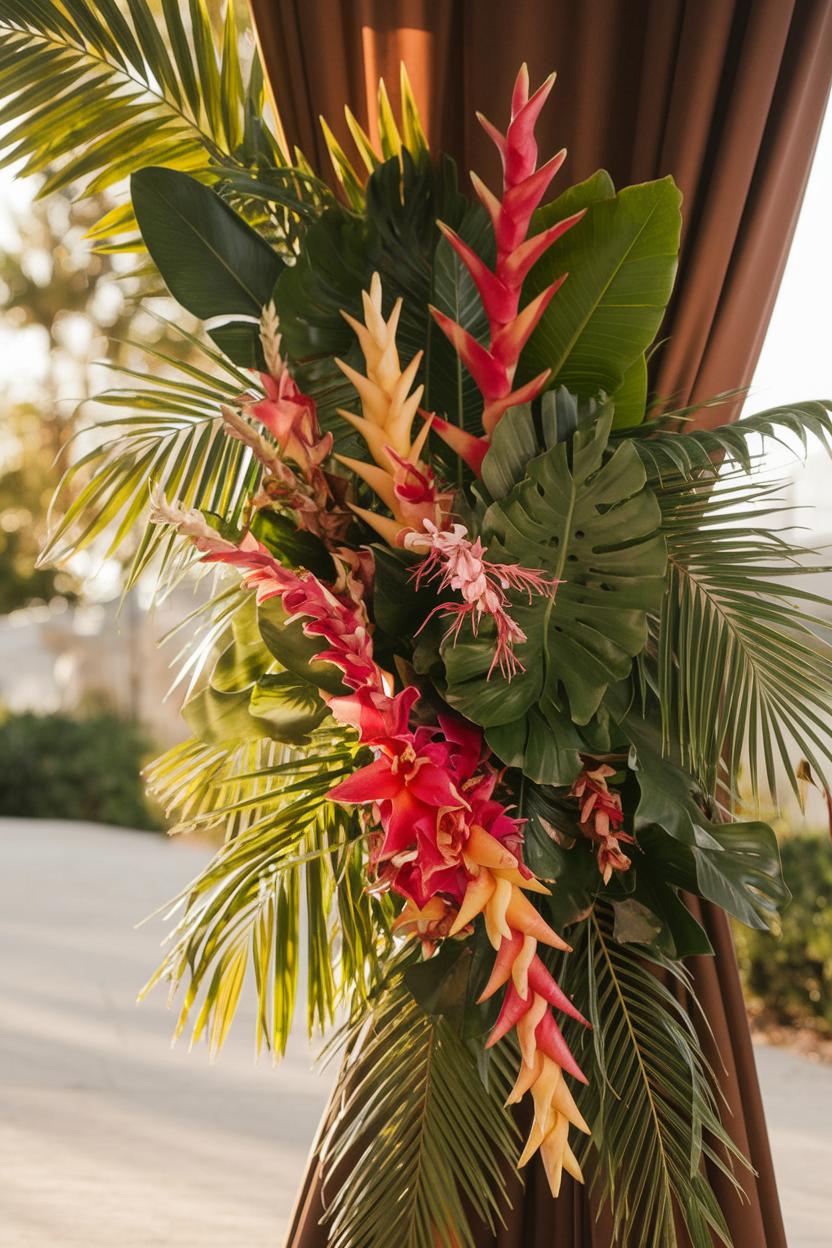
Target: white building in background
(57, 659)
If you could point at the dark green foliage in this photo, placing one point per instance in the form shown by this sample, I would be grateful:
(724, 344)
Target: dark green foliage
(399, 239)
(790, 972)
(214, 264)
(621, 261)
(588, 520)
(735, 865)
(58, 767)
(211, 260)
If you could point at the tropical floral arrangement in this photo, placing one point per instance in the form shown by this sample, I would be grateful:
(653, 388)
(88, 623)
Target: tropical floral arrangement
(490, 638)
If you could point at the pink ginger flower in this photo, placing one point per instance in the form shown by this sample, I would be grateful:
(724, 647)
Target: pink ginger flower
(601, 818)
(458, 563)
(493, 366)
(291, 418)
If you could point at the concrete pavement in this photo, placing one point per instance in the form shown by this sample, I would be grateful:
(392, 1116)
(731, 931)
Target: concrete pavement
(111, 1139)
(108, 1137)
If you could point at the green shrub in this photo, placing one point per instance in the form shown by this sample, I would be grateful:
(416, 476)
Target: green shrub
(58, 767)
(789, 974)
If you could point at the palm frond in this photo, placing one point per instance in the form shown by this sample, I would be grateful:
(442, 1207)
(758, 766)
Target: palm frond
(243, 914)
(173, 436)
(740, 662)
(703, 450)
(408, 135)
(650, 1101)
(95, 90)
(415, 1140)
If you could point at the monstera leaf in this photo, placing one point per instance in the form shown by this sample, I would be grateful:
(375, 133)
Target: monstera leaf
(588, 520)
(547, 746)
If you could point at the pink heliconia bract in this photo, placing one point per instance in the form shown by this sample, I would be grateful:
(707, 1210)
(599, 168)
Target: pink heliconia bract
(524, 184)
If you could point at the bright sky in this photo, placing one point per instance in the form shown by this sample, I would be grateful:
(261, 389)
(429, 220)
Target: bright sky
(796, 361)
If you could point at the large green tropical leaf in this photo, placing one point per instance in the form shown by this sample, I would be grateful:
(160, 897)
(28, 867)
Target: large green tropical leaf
(415, 1143)
(734, 865)
(94, 90)
(212, 262)
(621, 261)
(278, 705)
(587, 519)
(651, 1101)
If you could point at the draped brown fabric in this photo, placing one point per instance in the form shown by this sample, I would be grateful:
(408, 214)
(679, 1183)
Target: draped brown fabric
(726, 95)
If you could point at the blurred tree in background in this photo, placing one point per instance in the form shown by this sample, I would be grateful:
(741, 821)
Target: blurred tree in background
(61, 302)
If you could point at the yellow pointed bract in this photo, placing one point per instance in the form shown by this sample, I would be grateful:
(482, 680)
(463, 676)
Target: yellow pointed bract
(389, 403)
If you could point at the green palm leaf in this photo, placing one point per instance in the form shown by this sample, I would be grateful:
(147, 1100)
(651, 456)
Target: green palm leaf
(242, 914)
(650, 1100)
(96, 89)
(172, 436)
(740, 664)
(703, 450)
(415, 1138)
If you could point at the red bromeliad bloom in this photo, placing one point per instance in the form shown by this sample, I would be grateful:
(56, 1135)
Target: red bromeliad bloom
(602, 817)
(458, 563)
(493, 366)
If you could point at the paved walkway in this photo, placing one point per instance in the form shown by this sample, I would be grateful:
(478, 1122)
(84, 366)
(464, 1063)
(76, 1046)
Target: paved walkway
(110, 1139)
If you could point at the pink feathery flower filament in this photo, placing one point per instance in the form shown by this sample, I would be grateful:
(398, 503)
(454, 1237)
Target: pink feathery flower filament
(457, 563)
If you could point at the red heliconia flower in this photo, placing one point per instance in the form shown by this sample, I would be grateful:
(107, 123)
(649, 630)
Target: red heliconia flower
(493, 366)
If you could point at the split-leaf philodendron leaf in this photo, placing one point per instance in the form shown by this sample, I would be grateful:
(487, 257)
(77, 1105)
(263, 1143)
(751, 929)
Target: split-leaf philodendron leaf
(587, 519)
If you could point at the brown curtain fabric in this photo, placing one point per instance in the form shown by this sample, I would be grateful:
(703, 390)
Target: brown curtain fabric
(728, 96)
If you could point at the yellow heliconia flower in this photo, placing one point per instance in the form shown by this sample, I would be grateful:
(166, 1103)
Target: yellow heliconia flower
(401, 480)
(387, 405)
(514, 927)
(554, 1110)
